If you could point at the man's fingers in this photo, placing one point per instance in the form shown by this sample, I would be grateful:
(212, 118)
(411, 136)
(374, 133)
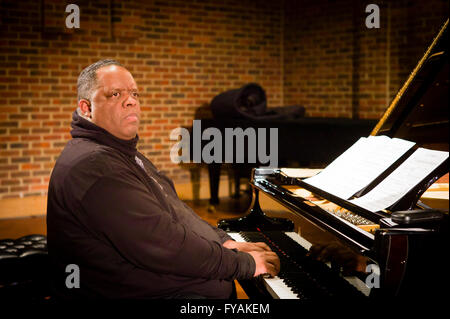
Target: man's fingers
(247, 247)
(263, 246)
(274, 269)
(267, 262)
(273, 261)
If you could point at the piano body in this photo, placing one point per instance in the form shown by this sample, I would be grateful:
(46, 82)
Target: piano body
(410, 254)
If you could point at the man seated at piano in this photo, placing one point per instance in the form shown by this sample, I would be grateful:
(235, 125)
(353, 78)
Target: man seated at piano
(118, 219)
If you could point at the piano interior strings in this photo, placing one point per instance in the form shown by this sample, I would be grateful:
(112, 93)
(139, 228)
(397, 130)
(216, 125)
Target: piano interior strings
(333, 208)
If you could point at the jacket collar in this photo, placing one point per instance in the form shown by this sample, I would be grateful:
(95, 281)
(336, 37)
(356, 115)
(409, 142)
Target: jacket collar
(82, 128)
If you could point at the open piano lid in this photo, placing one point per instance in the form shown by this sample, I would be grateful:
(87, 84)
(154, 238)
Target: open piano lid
(418, 113)
(420, 110)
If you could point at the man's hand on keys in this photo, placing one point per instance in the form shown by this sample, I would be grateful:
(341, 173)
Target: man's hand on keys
(267, 262)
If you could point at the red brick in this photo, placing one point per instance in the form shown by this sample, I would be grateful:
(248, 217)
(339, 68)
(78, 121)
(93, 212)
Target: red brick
(299, 51)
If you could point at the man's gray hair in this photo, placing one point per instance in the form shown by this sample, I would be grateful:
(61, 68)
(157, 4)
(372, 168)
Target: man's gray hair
(87, 80)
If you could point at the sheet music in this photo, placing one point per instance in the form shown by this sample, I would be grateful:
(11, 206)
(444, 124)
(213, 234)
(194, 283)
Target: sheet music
(359, 165)
(414, 169)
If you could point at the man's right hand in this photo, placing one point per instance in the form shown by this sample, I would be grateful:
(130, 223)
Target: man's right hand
(267, 262)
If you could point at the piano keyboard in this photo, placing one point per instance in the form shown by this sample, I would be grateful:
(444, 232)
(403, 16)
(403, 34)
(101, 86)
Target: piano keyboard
(299, 275)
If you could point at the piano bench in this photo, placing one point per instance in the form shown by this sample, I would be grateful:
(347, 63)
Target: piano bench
(24, 269)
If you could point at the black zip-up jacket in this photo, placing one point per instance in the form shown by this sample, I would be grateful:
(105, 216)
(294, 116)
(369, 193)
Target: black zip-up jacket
(116, 217)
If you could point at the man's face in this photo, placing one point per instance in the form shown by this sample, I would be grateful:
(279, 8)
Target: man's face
(115, 102)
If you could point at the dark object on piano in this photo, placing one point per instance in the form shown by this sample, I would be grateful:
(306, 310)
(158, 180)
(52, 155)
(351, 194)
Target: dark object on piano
(417, 216)
(249, 102)
(410, 258)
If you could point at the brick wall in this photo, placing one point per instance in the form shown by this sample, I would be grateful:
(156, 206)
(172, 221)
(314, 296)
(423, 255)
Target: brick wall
(182, 53)
(337, 67)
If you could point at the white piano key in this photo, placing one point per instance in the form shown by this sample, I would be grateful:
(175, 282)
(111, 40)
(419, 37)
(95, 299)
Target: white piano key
(278, 289)
(237, 237)
(296, 237)
(300, 240)
(358, 284)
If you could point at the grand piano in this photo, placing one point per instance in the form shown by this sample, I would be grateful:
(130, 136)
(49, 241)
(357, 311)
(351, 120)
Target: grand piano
(397, 257)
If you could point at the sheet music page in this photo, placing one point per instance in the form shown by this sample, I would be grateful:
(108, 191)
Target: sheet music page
(359, 165)
(416, 167)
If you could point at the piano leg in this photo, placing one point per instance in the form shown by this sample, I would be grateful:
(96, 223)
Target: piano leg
(214, 179)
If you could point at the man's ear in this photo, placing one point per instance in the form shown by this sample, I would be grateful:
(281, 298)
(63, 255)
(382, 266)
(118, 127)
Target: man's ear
(85, 107)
